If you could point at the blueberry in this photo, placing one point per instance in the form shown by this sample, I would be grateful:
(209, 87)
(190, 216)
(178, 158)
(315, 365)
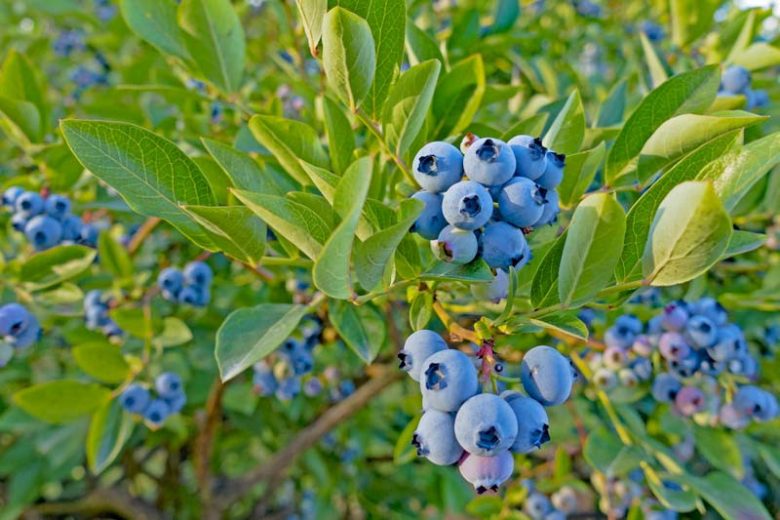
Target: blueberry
(689, 401)
(312, 387)
(710, 308)
(555, 515)
(263, 379)
(198, 273)
(553, 171)
(605, 378)
(537, 506)
(176, 401)
(467, 205)
(743, 365)
(487, 473)
(685, 366)
(675, 316)
(615, 358)
(701, 331)
(195, 295)
(168, 384)
(29, 335)
(14, 319)
(495, 291)
(729, 343)
(437, 166)
(673, 346)
(565, 499)
(43, 232)
(96, 317)
(489, 161)
(546, 375)
(756, 98)
(755, 402)
(628, 378)
(10, 195)
(435, 439)
(135, 399)
(485, 425)
(533, 428)
(156, 413)
(520, 202)
(628, 324)
(709, 366)
(170, 281)
(418, 347)
(550, 209)
(88, 235)
(455, 245)
(288, 388)
(504, 245)
(529, 156)
(71, 228)
(731, 417)
(93, 298)
(447, 379)
(19, 222)
(431, 221)
(735, 80)
(57, 206)
(642, 367)
(29, 204)
(653, 31)
(642, 346)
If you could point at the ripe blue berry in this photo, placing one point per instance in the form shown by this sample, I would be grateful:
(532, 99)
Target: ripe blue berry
(553, 171)
(546, 375)
(487, 473)
(198, 273)
(29, 334)
(673, 346)
(675, 317)
(194, 295)
(437, 166)
(168, 384)
(756, 403)
(57, 206)
(418, 347)
(533, 428)
(520, 202)
(701, 331)
(550, 209)
(263, 379)
(735, 80)
(170, 280)
(288, 388)
(729, 343)
(135, 399)
(685, 366)
(71, 228)
(504, 245)
(431, 221)
(529, 156)
(88, 235)
(29, 204)
(485, 425)
(156, 413)
(495, 291)
(19, 222)
(537, 506)
(489, 161)
(689, 401)
(14, 319)
(710, 308)
(176, 401)
(312, 387)
(435, 439)
(447, 379)
(467, 205)
(10, 195)
(455, 245)
(43, 232)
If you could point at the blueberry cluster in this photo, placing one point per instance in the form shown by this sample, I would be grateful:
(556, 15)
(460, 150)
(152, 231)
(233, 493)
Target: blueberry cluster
(19, 328)
(696, 343)
(736, 81)
(170, 399)
(47, 221)
(289, 372)
(190, 286)
(509, 189)
(475, 430)
(68, 42)
(96, 307)
(617, 495)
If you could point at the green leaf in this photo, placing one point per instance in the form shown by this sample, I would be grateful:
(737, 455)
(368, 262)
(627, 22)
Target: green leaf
(48, 268)
(759, 55)
(155, 22)
(568, 129)
(720, 448)
(21, 119)
(420, 46)
(153, 176)
(689, 234)
(296, 222)
(566, 322)
(243, 171)
(348, 55)
(19, 81)
(387, 20)
(248, 335)
(580, 170)
(218, 180)
(593, 243)
(134, 321)
(421, 310)
(61, 401)
(372, 256)
(312, 12)
(341, 137)
(361, 327)
(290, 142)
(533, 125)
(691, 19)
(601, 449)
(689, 92)
(544, 287)
(771, 457)
(331, 269)
(640, 216)
(404, 452)
(742, 242)
(236, 230)
(101, 360)
(485, 506)
(476, 271)
(611, 110)
(682, 134)
(463, 87)
(727, 496)
(114, 257)
(680, 500)
(734, 174)
(408, 103)
(174, 332)
(654, 62)
(109, 430)
(215, 39)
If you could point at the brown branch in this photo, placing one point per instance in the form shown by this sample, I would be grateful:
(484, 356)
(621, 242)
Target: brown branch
(204, 442)
(272, 471)
(140, 235)
(99, 502)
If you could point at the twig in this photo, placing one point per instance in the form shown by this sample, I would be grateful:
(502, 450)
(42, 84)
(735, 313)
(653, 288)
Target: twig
(99, 502)
(460, 333)
(142, 233)
(204, 442)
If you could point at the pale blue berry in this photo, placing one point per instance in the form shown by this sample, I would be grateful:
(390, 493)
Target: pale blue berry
(504, 245)
(29, 204)
(156, 413)
(43, 232)
(520, 202)
(57, 206)
(198, 273)
(485, 425)
(546, 375)
(135, 399)
(447, 379)
(533, 428)
(434, 438)
(455, 245)
(665, 387)
(529, 156)
(431, 221)
(170, 281)
(489, 161)
(168, 384)
(467, 205)
(553, 171)
(418, 347)
(437, 166)
(487, 473)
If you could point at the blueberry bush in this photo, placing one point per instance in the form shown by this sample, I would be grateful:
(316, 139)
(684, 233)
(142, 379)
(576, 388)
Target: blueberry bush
(302, 259)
